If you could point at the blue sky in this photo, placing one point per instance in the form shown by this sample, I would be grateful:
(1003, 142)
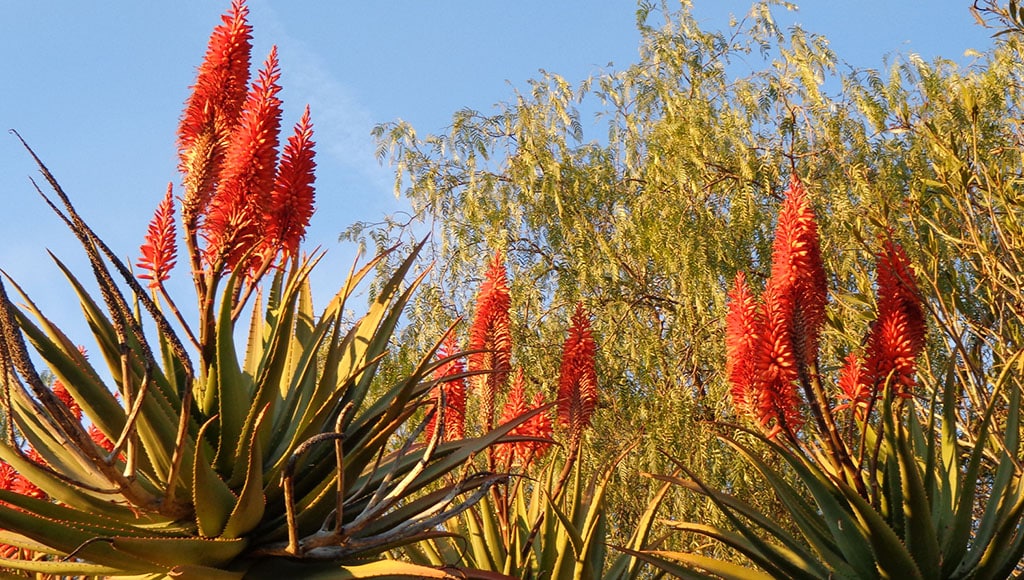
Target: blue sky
(97, 89)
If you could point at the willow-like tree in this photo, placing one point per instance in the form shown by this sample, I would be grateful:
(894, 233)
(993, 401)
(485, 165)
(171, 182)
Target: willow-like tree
(648, 223)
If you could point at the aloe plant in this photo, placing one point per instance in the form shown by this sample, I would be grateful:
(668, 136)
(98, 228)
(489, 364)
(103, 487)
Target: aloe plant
(876, 487)
(186, 454)
(548, 519)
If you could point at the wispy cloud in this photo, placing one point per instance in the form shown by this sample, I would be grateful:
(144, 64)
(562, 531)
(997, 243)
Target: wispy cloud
(343, 123)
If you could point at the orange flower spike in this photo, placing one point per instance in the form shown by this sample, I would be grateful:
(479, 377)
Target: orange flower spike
(159, 250)
(236, 213)
(539, 426)
(490, 336)
(577, 384)
(100, 439)
(742, 332)
(897, 290)
(454, 394)
(213, 108)
(797, 271)
(22, 485)
(61, 392)
(515, 406)
(292, 201)
(853, 388)
(776, 400)
(8, 475)
(897, 336)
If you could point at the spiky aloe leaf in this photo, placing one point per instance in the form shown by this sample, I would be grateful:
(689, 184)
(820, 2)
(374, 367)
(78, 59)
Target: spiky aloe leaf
(919, 528)
(251, 504)
(213, 499)
(157, 425)
(229, 391)
(671, 562)
(59, 568)
(627, 566)
(390, 569)
(793, 556)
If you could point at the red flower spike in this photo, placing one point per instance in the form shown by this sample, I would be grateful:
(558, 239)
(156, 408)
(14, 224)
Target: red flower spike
(8, 475)
(22, 485)
(292, 201)
(742, 333)
(776, 401)
(235, 220)
(539, 426)
(159, 251)
(100, 439)
(853, 388)
(213, 109)
(797, 271)
(898, 334)
(61, 392)
(515, 406)
(577, 384)
(491, 337)
(454, 394)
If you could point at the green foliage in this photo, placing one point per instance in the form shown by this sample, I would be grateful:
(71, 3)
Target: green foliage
(647, 223)
(920, 520)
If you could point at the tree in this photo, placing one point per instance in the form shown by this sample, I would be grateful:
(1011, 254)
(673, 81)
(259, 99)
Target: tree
(648, 225)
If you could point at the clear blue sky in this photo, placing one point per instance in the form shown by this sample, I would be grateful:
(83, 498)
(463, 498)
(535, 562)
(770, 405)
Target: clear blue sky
(97, 89)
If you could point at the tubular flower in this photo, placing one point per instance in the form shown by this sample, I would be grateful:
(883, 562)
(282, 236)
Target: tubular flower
(853, 388)
(25, 487)
(454, 390)
(491, 339)
(523, 453)
(234, 222)
(100, 439)
(8, 475)
(22, 485)
(61, 392)
(776, 401)
(742, 333)
(797, 272)
(539, 426)
(897, 336)
(577, 383)
(515, 406)
(213, 108)
(291, 203)
(159, 251)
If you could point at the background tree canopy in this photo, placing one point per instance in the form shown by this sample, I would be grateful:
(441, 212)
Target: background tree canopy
(648, 223)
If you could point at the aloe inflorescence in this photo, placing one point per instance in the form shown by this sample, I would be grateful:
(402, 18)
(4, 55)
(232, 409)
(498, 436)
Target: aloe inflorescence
(185, 453)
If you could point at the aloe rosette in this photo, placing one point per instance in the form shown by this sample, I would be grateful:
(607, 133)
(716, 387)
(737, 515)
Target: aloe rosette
(190, 454)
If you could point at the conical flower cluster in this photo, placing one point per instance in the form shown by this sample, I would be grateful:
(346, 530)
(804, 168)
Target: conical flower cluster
(213, 110)
(490, 339)
(771, 346)
(896, 338)
(453, 387)
(242, 208)
(159, 250)
(539, 427)
(490, 355)
(577, 383)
